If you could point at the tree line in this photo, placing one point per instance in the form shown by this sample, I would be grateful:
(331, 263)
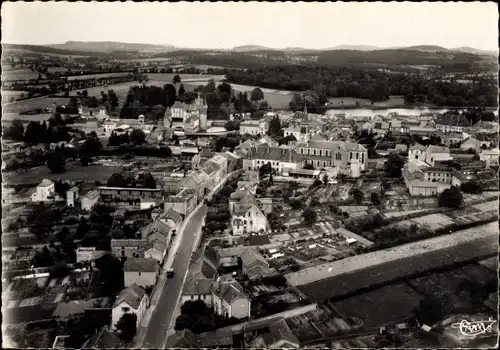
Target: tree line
(370, 84)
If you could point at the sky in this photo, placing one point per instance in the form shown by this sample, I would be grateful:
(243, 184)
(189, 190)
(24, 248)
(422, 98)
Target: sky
(277, 25)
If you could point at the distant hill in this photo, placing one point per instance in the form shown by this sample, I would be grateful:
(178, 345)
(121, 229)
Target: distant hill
(428, 48)
(468, 49)
(353, 47)
(248, 48)
(110, 46)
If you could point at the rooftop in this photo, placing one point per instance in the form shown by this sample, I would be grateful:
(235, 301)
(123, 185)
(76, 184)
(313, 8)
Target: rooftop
(132, 295)
(140, 264)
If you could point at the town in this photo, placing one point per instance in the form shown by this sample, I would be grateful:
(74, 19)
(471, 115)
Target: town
(164, 204)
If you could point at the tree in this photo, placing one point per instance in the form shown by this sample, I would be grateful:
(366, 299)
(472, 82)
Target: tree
(183, 322)
(375, 198)
(117, 180)
(309, 216)
(451, 198)
(182, 90)
(61, 188)
(170, 93)
(274, 126)
(148, 181)
(59, 270)
(325, 179)
(471, 187)
(176, 79)
(56, 162)
(429, 311)
(126, 327)
(256, 95)
(357, 194)
(85, 93)
(43, 258)
(137, 137)
(195, 307)
(15, 131)
(394, 164)
(265, 169)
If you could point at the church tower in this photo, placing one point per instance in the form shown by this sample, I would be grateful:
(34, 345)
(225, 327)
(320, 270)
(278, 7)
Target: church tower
(203, 109)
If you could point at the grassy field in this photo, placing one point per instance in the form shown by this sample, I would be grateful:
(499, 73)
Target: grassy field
(345, 284)
(168, 77)
(57, 69)
(73, 173)
(97, 76)
(455, 289)
(19, 74)
(389, 304)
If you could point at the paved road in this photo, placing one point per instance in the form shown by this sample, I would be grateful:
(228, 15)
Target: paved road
(156, 332)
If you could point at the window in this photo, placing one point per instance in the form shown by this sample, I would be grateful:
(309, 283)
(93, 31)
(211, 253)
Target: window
(357, 155)
(192, 297)
(320, 152)
(314, 152)
(125, 309)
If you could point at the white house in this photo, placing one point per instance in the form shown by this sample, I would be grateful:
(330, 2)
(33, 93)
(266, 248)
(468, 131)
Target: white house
(157, 251)
(254, 127)
(88, 200)
(132, 299)
(246, 216)
(141, 271)
(230, 300)
(281, 159)
(71, 196)
(435, 154)
(45, 191)
(490, 156)
(197, 288)
(416, 151)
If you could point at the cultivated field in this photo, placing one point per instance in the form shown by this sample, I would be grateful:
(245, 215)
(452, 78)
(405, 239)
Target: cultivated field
(34, 103)
(363, 271)
(168, 77)
(389, 304)
(19, 74)
(73, 173)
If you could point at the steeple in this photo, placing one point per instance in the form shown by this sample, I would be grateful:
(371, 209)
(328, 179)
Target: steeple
(305, 108)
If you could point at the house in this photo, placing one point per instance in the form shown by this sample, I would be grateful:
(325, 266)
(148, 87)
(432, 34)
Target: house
(254, 265)
(470, 143)
(199, 159)
(88, 254)
(132, 299)
(184, 202)
(324, 154)
(279, 336)
(435, 154)
(157, 252)
(128, 248)
(254, 127)
(234, 161)
(246, 216)
(416, 151)
(45, 191)
(230, 300)
(197, 288)
(128, 196)
(71, 196)
(141, 271)
(214, 173)
(279, 158)
(451, 139)
(490, 156)
(103, 339)
(422, 179)
(88, 200)
(198, 181)
(452, 122)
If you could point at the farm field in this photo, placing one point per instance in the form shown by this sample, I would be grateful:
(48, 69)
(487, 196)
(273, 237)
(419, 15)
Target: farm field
(73, 173)
(19, 74)
(56, 69)
(97, 76)
(34, 103)
(344, 284)
(457, 290)
(168, 77)
(389, 304)
(415, 249)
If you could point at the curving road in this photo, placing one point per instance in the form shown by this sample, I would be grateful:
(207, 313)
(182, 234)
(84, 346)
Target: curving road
(156, 333)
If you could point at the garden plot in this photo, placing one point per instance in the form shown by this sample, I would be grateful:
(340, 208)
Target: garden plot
(390, 304)
(433, 221)
(487, 206)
